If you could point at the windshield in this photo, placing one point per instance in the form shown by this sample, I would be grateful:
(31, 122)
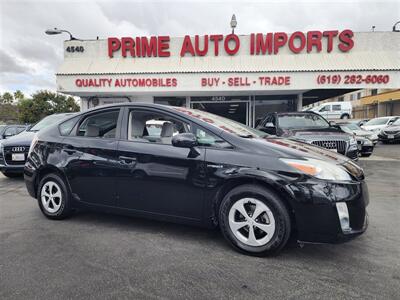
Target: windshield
(302, 121)
(396, 123)
(222, 123)
(380, 121)
(47, 121)
(351, 126)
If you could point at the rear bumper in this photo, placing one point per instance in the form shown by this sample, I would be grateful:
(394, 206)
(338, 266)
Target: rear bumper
(316, 214)
(30, 179)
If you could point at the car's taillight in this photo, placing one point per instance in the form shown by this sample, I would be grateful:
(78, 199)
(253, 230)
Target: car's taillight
(33, 143)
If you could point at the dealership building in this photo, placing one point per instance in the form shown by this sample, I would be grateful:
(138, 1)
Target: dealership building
(238, 76)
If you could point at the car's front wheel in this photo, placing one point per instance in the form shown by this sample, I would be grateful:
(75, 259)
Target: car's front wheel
(254, 220)
(53, 197)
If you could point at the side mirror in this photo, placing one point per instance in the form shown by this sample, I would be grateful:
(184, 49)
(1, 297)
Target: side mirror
(184, 140)
(332, 123)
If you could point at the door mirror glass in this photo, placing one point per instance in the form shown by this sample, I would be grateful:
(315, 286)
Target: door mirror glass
(332, 123)
(184, 140)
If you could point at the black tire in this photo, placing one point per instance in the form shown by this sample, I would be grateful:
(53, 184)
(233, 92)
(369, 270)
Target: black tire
(345, 116)
(12, 175)
(275, 205)
(366, 155)
(65, 208)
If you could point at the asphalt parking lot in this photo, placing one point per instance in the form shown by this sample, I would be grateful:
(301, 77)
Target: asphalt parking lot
(99, 256)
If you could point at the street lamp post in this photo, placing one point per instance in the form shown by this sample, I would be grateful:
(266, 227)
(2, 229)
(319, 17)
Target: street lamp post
(59, 31)
(233, 23)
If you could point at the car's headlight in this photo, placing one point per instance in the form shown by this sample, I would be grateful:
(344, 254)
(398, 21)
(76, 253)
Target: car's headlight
(353, 141)
(318, 168)
(367, 142)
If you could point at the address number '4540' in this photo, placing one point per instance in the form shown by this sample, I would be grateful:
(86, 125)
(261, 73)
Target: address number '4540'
(75, 49)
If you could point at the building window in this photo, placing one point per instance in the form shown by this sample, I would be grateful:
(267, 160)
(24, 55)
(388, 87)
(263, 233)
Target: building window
(374, 92)
(341, 99)
(351, 97)
(359, 95)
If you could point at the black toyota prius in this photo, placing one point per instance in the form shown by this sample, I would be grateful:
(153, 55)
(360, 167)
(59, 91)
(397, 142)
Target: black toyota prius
(193, 167)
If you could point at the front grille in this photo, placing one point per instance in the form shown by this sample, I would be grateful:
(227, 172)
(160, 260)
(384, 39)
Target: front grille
(8, 151)
(391, 132)
(338, 145)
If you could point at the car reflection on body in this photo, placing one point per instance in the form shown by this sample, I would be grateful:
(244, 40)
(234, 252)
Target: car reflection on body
(199, 169)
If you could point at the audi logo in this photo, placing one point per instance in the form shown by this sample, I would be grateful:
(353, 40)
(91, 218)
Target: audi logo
(18, 149)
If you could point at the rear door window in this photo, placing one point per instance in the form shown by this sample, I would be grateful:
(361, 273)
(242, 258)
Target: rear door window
(99, 125)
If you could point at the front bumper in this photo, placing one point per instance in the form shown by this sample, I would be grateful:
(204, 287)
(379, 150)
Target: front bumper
(352, 153)
(316, 214)
(389, 137)
(19, 169)
(14, 168)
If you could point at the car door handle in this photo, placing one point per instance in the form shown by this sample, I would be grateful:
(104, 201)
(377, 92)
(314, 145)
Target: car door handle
(215, 166)
(127, 159)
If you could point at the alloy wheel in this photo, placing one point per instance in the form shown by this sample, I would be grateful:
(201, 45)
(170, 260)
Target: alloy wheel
(51, 197)
(251, 222)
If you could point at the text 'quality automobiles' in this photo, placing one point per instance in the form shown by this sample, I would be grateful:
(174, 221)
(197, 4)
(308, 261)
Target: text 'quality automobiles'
(193, 167)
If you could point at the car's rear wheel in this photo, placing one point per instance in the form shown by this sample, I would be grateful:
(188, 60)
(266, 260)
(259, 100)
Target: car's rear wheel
(53, 197)
(12, 175)
(254, 220)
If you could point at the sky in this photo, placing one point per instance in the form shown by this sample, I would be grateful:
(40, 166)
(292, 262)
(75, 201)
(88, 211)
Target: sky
(29, 59)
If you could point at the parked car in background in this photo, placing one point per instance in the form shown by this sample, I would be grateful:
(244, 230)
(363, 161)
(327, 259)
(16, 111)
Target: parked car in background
(358, 122)
(7, 131)
(353, 128)
(334, 110)
(311, 128)
(390, 133)
(205, 170)
(377, 124)
(14, 150)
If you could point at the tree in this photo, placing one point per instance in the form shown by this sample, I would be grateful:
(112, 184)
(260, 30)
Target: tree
(7, 98)
(18, 95)
(44, 103)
